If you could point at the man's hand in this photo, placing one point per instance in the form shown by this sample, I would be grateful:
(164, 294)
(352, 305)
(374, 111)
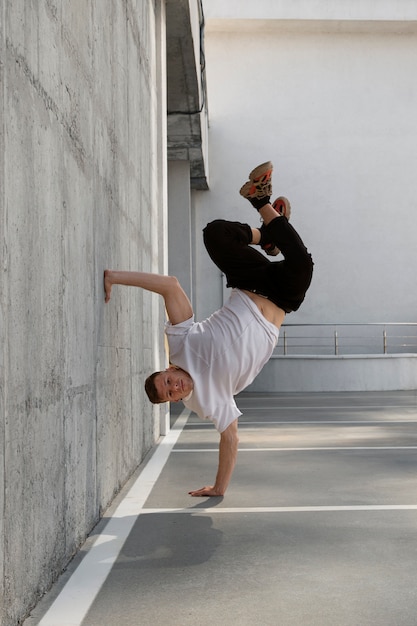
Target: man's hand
(227, 458)
(204, 491)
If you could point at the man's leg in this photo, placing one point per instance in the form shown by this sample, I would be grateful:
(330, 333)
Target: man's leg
(228, 244)
(277, 229)
(281, 206)
(283, 282)
(177, 304)
(229, 247)
(289, 280)
(258, 190)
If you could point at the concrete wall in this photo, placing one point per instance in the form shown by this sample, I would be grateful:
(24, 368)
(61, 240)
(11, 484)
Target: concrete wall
(327, 92)
(83, 187)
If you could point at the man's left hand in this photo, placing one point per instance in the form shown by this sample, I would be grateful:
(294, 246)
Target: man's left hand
(205, 492)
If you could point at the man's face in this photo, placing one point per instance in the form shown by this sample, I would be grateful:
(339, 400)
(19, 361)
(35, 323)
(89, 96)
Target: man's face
(173, 384)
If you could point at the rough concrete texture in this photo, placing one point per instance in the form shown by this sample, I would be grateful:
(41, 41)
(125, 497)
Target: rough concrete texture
(82, 179)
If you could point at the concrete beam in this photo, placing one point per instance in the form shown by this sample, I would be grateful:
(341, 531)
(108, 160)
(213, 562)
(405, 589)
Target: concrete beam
(186, 91)
(357, 10)
(344, 16)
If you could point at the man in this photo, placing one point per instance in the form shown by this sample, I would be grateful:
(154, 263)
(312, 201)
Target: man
(214, 360)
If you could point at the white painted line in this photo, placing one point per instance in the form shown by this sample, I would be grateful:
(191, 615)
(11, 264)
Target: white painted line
(326, 422)
(323, 449)
(358, 422)
(287, 509)
(75, 599)
(337, 407)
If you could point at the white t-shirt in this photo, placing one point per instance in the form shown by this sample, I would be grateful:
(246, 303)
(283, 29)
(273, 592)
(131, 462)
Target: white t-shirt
(222, 354)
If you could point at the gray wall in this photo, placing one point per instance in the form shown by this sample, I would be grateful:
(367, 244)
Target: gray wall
(367, 372)
(82, 173)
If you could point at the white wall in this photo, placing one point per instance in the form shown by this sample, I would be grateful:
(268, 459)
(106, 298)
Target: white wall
(334, 107)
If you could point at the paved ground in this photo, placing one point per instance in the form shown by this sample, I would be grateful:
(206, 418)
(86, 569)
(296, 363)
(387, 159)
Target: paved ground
(318, 528)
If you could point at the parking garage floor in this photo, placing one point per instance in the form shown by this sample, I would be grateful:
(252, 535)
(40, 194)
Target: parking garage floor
(318, 527)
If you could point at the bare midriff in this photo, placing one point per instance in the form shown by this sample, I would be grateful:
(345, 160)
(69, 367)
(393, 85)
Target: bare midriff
(269, 310)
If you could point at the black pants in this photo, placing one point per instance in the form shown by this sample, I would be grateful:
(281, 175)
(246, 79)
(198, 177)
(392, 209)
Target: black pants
(283, 282)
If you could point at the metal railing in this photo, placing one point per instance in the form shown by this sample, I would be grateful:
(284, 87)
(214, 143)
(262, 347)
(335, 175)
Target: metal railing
(345, 339)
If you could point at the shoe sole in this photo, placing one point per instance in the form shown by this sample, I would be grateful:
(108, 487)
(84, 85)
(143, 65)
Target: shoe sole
(260, 171)
(282, 205)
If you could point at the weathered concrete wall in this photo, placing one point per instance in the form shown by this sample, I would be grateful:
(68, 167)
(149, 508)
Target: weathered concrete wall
(82, 180)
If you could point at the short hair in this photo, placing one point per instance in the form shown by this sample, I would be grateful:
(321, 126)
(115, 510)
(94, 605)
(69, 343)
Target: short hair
(151, 389)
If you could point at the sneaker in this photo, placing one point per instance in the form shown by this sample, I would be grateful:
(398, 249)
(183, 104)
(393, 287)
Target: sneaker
(283, 207)
(259, 185)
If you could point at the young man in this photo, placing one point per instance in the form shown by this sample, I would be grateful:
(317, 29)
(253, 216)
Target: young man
(214, 360)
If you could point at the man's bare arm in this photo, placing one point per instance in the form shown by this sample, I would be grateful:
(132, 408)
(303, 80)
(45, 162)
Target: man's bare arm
(177, 304)
(228, 447)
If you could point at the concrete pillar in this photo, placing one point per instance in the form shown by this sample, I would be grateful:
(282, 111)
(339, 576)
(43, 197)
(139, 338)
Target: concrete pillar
(179, 224)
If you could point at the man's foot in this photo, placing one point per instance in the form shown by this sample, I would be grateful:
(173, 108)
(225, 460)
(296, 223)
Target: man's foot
(107, 284)
(283, 207)
(258, 188)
